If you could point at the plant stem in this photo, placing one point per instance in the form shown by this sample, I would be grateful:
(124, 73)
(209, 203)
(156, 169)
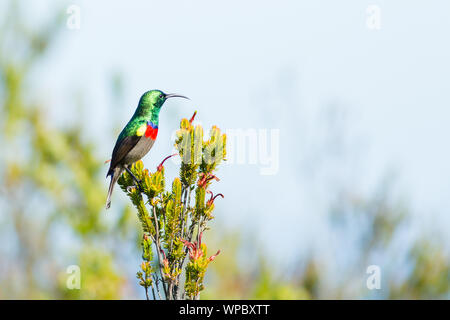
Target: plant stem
(153, 293)
(158, 248)
(156, 280)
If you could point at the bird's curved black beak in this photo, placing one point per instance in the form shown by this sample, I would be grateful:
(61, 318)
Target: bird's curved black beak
(174, 95)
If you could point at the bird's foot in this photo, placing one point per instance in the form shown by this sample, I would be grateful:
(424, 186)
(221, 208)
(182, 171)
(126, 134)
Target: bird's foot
(136, 186)
(136, 180)
(141, 190)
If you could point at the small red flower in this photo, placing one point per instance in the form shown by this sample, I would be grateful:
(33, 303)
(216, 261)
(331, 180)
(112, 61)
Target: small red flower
(195, 249)
(214, 256)
(192, 118)
(213, 197)
(205, 178)
(160, 166)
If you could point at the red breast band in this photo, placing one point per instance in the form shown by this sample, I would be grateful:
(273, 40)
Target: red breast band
(151, 132)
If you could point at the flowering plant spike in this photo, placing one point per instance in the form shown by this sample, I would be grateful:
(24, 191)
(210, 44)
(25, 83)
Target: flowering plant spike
(173, 221)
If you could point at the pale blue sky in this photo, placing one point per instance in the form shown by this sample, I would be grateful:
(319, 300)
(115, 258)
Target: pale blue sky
(275, 65)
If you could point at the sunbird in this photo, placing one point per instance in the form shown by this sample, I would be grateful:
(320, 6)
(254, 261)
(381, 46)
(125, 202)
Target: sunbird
(138, 136)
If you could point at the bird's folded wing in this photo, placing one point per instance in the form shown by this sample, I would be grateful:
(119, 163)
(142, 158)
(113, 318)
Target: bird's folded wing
(122, 148)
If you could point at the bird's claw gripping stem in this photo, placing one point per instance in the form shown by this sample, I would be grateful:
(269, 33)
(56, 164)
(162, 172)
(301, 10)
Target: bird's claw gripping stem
(129, 188)
(141, 190)
(136, 180)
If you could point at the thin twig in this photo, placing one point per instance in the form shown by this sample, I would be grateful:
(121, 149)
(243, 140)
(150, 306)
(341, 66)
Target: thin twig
(158, 246)
(183, 218)
(153, 293)
(155, 278)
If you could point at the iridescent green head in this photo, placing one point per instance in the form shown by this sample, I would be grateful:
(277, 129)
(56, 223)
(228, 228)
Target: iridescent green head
(151, 102)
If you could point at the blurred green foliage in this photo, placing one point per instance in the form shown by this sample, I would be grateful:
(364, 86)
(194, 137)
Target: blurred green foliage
(102, 281)
(419, 269)
(51, 184)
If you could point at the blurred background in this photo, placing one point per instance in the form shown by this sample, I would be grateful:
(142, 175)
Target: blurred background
(358, 92)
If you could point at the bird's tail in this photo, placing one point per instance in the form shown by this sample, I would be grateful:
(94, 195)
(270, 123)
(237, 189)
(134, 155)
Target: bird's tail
(115, 174)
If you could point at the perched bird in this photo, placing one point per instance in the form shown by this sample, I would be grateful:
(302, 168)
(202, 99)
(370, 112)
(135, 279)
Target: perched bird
(138, 136)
